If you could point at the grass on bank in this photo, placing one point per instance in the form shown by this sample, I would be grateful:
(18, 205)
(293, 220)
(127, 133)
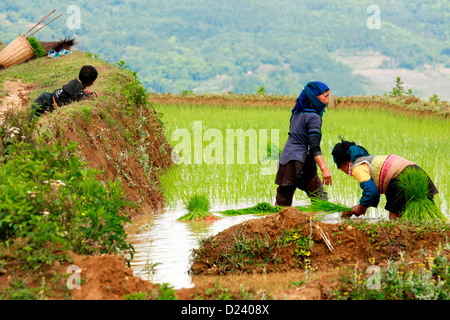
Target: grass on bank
(50, 200)
(401, 279)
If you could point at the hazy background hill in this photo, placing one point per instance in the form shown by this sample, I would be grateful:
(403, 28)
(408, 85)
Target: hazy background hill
(240, 46)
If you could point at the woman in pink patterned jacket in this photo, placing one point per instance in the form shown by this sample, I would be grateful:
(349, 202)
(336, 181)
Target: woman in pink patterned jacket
(376, 175)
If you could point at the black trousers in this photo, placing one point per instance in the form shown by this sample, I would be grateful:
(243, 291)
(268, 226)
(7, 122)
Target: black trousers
(43, 103)
(303, 176)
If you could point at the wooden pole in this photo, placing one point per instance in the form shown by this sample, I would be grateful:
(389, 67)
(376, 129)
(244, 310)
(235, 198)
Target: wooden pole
(44, 25)
(38, 23)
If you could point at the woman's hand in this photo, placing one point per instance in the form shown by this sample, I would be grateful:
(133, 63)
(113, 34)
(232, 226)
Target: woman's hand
(326, 175)
(357, 210)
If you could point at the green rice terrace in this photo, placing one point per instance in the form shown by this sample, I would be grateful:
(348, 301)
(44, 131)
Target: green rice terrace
(160, 196)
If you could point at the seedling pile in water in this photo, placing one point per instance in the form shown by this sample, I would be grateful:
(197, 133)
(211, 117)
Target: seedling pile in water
(198, 208)
(414, 185)
(263, 207)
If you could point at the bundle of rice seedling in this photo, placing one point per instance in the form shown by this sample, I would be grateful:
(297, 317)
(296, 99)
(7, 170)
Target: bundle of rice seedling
(320, 205)
(37, 47)
(198, 208)
(324, 206)
(263, 207)
(413, 184)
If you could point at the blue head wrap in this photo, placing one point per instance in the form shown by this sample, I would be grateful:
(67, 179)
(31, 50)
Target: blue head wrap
(356, 152)
(307, 101)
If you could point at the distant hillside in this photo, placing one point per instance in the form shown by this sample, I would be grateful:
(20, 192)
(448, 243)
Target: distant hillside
(241, 46)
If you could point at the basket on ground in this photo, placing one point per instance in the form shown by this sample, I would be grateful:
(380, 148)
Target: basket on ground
(18, 51)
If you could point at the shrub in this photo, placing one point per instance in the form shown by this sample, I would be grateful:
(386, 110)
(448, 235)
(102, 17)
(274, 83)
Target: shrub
(49, 199)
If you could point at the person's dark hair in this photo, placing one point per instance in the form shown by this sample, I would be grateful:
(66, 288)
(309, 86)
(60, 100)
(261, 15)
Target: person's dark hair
(340, 151)
(87, 74)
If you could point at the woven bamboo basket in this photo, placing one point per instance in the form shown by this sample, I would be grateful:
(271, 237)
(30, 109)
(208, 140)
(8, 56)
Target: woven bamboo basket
(18, 51)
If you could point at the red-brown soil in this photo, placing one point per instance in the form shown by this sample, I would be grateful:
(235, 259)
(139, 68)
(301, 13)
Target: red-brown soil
(350, 246)
(107, 277)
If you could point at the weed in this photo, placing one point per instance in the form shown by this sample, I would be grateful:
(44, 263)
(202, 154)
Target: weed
(401, 280)
(302, 245)
(136, 296)
(164, 292)
(217, 292)
(247, 252)
(50, 200)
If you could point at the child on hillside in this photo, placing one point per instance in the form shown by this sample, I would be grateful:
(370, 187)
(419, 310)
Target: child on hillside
(75, 90)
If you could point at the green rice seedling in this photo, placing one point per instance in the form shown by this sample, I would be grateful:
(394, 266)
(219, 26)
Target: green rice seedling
(414, 186)
(325, 206)
(198, 208)
(246, 183)
(263, 207)
(38, 50)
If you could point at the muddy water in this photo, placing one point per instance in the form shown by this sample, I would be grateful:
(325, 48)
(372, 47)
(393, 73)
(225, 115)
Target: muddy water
(164, 245)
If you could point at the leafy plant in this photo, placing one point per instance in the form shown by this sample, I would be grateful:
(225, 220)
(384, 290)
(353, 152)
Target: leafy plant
(136, 296)
(400, 280)
(261, 91)
(164, 292)
(49, 200)
(434, 99)
(302, 245)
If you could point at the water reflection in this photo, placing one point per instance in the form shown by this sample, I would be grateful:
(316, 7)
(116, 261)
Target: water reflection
(164, 245)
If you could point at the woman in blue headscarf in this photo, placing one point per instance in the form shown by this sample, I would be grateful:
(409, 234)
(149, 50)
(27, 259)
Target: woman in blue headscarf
(297, 167)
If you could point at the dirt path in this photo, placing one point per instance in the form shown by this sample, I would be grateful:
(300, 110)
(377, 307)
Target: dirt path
(16, 96)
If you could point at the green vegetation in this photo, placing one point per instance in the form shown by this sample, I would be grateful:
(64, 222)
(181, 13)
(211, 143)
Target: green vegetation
(263, 207)
(198, 208)
(399, 90)
(49, 200)
(238, 46)
(253, 182)
(38, 50)
(414, 186)
(400, 280)
(327, 207)
(248, 252)
(52, 202)
(301, 245)
(162, 292)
